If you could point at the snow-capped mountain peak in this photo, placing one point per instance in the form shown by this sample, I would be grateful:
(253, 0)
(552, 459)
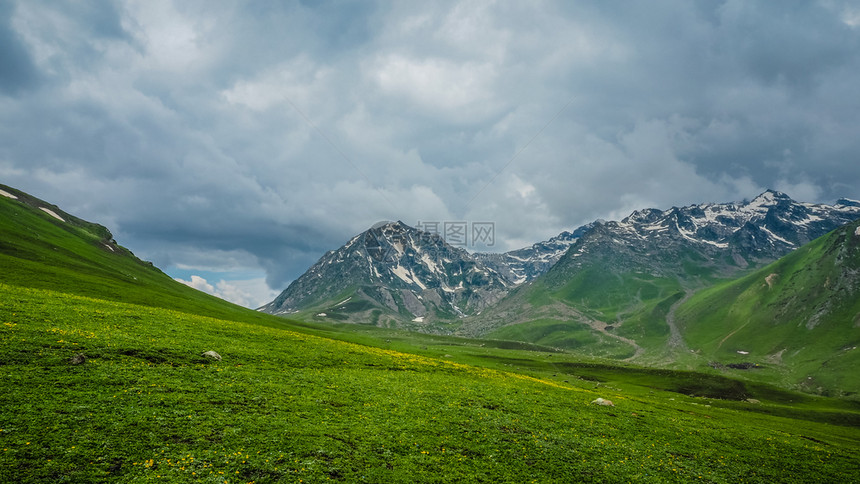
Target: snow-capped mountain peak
(399, 268)
(751, 232)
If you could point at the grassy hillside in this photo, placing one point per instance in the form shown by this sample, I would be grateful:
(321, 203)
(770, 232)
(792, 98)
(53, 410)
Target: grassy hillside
(798, 318)
(634, 302)
(288, 407)
(593, 312)
(74, 256)
(614, 297)
(565, 335)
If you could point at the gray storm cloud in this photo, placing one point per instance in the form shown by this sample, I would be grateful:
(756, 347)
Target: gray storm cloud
(274, 132)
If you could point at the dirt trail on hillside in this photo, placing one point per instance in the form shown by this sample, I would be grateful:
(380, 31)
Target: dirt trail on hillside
(601, 327)
(562, 311)
(732, 334)
(676, 341)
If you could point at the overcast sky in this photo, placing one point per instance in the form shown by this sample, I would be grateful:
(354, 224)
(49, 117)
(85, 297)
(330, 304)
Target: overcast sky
(236, 142)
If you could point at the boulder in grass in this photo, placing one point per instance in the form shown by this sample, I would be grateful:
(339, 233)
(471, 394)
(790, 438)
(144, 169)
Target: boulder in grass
(603, 401)
(78, 359)
(211, 354)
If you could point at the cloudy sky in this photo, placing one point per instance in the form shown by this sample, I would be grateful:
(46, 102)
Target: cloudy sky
(233, 143)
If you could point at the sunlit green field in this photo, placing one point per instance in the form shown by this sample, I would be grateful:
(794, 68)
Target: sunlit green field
(284, 406)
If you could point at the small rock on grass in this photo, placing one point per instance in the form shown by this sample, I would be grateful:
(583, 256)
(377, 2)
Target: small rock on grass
(78, 359)
(602, 401)
(211, 354)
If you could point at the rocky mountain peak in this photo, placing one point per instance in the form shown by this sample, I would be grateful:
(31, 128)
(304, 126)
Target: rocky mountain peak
(848, 202)
(770, 195)
(398, 269)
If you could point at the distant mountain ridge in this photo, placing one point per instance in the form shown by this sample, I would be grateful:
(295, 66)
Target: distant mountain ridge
(403, 275)
(522, 265)
(732, 235)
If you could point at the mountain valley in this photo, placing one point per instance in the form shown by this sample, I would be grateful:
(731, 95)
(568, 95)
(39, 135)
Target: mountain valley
(612, 289)
(104, 373)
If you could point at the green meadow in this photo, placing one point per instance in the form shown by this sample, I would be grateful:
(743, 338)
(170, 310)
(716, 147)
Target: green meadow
(285, 406)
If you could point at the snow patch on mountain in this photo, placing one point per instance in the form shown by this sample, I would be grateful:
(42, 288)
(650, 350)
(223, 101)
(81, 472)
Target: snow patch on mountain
(8, 195)
(51, 213)
(428, 261)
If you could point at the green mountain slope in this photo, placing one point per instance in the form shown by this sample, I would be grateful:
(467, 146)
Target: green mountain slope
(619, 293)
(78, 257)
(799, 316)
(102, 379)
(598, 309)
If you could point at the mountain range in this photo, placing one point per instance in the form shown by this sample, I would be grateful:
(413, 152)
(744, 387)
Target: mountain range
(629, 276)
(396, 275)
